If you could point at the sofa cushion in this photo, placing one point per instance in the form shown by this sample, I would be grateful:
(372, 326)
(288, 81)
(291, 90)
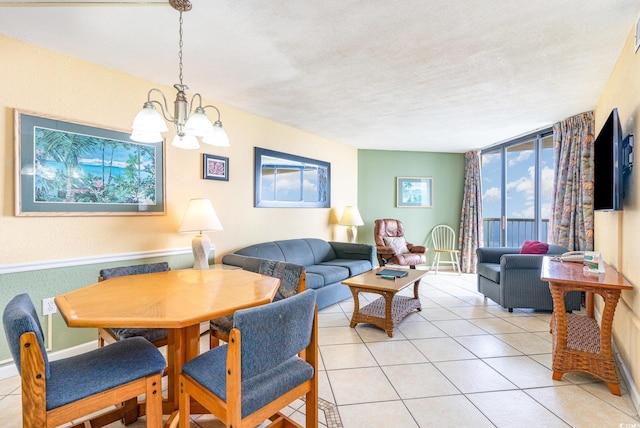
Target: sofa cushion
(490, 271)
(329, 273)
(356, 267)
(266, 250)
(534, 247)
(296, 251)
(315, 281)
(322, 250)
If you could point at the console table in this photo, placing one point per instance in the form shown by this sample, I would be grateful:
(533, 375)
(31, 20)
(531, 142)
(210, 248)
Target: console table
(579, 344)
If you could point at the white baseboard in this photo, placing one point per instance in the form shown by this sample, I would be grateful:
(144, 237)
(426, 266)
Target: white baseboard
(634, 394)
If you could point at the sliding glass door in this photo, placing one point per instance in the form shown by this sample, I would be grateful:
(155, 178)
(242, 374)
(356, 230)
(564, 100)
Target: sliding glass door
(517, 183)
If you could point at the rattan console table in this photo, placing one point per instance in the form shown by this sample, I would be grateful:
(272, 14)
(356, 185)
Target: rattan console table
(579, 344)
(388, 310)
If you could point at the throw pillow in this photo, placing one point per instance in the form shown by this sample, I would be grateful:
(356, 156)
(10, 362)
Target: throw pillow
(397, 244)
(534, 247)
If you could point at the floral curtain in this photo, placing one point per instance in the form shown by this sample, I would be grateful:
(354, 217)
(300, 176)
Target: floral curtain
(471, 233)
(571, 222)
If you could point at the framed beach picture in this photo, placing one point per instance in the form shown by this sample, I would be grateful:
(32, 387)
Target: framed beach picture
(215, 167)
(67, 168)
(414, 192)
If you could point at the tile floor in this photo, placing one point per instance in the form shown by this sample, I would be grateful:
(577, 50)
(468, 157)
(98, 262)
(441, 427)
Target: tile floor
(460, 361)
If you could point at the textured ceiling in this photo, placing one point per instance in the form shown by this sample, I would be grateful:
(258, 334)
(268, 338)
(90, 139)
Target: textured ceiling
(425, 75)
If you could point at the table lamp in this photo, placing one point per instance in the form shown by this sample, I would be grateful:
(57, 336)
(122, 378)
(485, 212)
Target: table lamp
(200, 217)
(352, 219)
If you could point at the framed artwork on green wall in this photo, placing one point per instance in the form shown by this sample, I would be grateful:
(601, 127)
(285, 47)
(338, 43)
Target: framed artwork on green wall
(414, 192)
(66, 168)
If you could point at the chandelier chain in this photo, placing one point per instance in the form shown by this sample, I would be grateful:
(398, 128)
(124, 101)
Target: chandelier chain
(180, 50)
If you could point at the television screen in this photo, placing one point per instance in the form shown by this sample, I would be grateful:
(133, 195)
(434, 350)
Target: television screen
(607, 192)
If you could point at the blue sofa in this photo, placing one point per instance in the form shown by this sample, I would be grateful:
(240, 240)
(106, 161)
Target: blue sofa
(326, 263)
(512, 280)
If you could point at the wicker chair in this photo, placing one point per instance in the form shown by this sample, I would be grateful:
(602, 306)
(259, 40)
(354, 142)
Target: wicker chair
(58, 392)
(258, 373)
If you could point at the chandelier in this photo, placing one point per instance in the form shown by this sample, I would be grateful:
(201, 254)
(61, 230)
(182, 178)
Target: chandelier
(149, 123)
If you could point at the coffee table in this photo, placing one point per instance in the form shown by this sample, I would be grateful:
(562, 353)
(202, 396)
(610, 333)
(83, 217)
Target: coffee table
(388, 310)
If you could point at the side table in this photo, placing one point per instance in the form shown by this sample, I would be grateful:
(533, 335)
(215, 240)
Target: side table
(579, 344)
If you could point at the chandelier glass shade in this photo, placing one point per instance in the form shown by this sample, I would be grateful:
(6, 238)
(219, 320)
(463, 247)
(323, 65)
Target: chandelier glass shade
(190, 123)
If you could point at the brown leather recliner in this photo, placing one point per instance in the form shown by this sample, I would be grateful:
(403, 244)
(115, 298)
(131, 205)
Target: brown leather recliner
(392, 247)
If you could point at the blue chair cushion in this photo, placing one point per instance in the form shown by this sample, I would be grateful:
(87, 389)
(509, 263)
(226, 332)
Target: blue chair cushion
(490, 271)
(223, 324)
(151, 334)
(209, 368)
(288, 273)
(96, 371)
(20, 317)
(134, 270)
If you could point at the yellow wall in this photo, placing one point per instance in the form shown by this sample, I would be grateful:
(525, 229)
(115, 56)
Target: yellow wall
(616, 233)
(48, 83)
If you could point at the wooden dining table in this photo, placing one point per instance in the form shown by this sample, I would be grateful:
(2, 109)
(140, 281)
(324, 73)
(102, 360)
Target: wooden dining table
(178, 300)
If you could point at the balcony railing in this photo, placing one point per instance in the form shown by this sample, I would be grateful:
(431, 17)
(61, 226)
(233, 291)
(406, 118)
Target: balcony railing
(518, 229)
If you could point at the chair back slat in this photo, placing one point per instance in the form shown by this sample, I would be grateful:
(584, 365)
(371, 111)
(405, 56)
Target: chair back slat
(271, 334)
(20, 317)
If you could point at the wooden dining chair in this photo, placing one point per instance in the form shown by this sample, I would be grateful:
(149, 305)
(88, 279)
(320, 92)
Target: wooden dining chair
(293, 280)
(271, 360)
(61, 391)
(157, 336)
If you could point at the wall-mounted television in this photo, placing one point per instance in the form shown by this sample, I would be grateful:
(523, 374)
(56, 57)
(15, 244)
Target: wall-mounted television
(612, 161)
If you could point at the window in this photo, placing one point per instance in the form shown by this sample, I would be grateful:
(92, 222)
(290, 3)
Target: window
(285, 180)
(517, 188)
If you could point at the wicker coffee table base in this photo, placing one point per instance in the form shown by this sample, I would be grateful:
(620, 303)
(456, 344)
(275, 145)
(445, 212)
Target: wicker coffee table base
(385, 312)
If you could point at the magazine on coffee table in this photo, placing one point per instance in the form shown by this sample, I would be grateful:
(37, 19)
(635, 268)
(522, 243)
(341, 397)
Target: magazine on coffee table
(393, 272)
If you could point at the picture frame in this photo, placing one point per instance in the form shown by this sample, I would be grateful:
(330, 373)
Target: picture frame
(70, 168)
(414, 192)
(215, 167)
(284, 180)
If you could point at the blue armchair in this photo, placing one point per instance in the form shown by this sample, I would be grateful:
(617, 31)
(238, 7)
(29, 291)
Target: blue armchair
(271, 360)
(513, 280)
(58, 392)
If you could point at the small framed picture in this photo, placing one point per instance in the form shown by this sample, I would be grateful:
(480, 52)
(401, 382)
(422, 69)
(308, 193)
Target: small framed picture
(215, 167)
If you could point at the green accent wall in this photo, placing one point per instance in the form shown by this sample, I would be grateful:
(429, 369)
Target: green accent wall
(377, 172)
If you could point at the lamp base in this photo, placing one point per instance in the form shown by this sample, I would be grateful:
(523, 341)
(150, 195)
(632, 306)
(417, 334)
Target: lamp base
(352, 233)
(201, 246)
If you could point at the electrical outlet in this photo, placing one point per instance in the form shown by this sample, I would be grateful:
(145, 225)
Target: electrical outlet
(49, 306)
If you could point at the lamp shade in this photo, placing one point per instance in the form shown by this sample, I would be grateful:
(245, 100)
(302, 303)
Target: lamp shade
(217, 136)
(185, 141)
(351, 217)
(149, 120)
(200, 216)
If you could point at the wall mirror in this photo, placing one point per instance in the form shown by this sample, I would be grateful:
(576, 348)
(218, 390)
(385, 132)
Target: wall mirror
(285, 180)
